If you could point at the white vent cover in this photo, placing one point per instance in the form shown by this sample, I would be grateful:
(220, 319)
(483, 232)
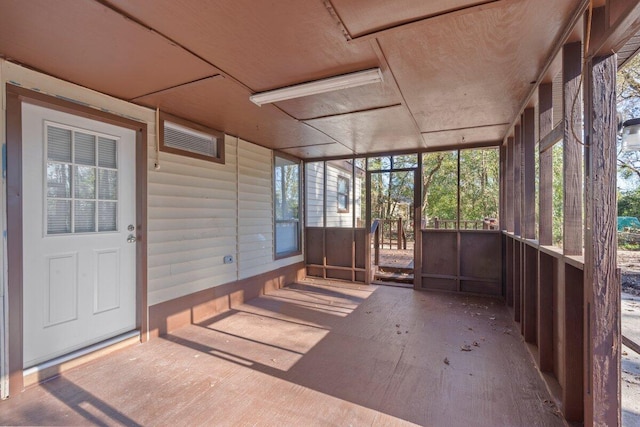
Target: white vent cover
(183, 138)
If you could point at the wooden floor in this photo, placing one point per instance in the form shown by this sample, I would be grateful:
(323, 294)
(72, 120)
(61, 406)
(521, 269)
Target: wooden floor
(315, 353)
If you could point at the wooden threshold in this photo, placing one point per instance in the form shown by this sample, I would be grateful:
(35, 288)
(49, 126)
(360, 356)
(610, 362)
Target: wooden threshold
(59, 365)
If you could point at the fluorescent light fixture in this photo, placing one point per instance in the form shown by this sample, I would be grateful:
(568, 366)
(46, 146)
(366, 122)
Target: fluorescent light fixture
(345, 81)
(631, 135)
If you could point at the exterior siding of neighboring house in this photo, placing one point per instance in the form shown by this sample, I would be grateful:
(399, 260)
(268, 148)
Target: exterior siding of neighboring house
(198, 212)
(314, 187)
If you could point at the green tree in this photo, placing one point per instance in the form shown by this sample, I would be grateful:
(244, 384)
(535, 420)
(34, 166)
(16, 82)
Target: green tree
(628, 99)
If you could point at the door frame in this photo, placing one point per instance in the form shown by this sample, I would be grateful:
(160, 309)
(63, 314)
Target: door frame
(15, 96)
(417, 212)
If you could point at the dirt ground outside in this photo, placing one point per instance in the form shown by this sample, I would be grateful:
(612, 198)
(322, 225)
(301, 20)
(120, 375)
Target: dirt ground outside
(629, 263)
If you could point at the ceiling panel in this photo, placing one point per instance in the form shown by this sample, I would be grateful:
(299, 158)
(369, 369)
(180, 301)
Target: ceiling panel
(362, 17)
(89, 44)
(473, 69)
(263, 44)
(380, 130)
(461, 137)
(222, 104)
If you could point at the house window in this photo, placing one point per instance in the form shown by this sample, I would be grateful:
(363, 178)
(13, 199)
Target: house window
(185, 138)
(287, 206)
(82, 181)
(343, 194)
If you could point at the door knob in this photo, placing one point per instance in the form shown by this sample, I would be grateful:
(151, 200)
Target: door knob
(131, 238)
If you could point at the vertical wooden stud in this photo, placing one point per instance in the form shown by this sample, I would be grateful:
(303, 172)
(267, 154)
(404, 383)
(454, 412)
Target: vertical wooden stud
(602, 283)
(529, 256)
(545, 106)
(572, 224)
(545, 263)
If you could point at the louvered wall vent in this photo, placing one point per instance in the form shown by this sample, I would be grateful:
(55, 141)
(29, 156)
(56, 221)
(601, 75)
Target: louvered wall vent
(190, 139)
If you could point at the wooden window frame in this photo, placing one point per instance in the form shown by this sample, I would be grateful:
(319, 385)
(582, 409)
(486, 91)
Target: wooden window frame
(299, 221)
(219, 137)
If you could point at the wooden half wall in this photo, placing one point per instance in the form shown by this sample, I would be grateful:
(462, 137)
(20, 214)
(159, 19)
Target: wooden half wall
(467, 261)
(337, 253)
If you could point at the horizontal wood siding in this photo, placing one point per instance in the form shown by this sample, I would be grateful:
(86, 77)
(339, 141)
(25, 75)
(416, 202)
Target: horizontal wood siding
(255, 210)
(192, 224)
(335, 218)
(314, 182)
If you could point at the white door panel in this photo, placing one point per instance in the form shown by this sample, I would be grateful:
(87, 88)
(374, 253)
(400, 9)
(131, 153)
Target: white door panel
(78, 202)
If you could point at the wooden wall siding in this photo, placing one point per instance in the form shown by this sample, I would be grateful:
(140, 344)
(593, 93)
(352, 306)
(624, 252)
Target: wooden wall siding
(255, 210)
(517, 283)
(192, 224)
(333, 217)
(572, 205)
(545, 313)
(464, 261)
(602, 284)
(509, 271)
(545, 107)
(573, 390)
(338, 253)
(314, 194)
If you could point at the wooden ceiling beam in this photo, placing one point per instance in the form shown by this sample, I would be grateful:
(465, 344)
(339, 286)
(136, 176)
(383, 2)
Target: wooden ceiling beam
(553, 53)
(613, 24)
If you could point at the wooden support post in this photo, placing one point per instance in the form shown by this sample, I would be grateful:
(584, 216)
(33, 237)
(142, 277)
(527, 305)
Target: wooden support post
(545, 263)
(545, 106)
(602, 284)
(572, 224)
(502, 218)
(509, 186)
(529, 174)
(508, 270)
(529, 256)
(517, 181)
(517, 271)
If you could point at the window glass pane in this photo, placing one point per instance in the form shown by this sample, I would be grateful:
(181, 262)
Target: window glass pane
(479, 188)
(107, 153)
(287, 205)
(58, 180)
(58, 216)
(85, 149)
(85, 216)
(58, 144)
(440, 189)
(314, 182)
(286, 186)
(85, 182)
(339, 193)
(286, 237)
(107, 215)
(107, 184)
(379, 163)
(360, 192)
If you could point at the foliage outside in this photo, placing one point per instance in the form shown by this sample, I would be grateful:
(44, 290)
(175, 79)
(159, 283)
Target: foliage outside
(478, 181)
(628, 93)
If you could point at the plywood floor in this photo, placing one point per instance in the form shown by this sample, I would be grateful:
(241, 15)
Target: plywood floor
(315, 353)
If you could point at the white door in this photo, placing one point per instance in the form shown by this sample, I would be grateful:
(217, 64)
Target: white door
(78, 212)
